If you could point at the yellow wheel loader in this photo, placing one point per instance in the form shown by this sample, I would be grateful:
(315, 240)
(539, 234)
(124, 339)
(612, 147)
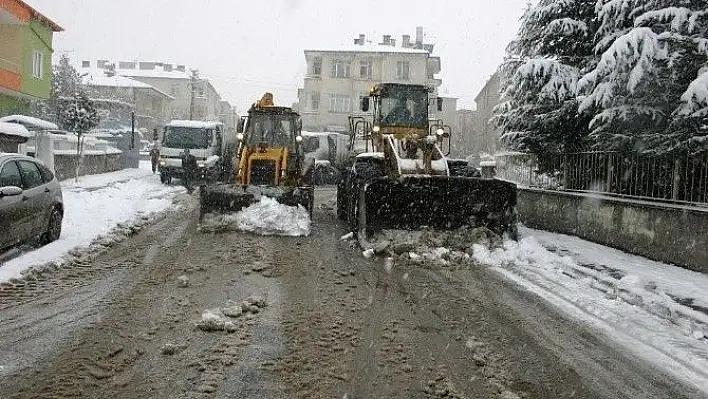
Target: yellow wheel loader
(269, 163)
(401, 178)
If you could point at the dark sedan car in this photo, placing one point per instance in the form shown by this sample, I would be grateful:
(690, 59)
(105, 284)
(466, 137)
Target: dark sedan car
(31, 204)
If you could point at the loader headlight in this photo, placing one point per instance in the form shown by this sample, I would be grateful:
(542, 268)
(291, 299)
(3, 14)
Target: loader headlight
(163, 163)
(377, 129)
(200, 164)
(239, 136)
(298, 138)
(440, 132)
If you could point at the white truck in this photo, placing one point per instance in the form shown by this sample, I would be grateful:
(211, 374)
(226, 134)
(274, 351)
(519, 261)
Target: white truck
(209, 142)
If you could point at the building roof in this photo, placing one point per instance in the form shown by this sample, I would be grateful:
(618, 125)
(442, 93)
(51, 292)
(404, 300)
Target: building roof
(40, 17)
(158, 72)
(30, 122)
(14, 129)
(369, 48)
(494, 79)
(98, 78)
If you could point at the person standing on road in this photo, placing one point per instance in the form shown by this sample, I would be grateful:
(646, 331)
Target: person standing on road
(189, 166)
(154, 157)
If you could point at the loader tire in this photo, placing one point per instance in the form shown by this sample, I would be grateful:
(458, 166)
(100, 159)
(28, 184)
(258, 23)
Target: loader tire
(363, 172)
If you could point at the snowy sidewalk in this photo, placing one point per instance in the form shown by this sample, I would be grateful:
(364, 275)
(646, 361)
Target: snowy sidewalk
(93, 207)
(657, 311)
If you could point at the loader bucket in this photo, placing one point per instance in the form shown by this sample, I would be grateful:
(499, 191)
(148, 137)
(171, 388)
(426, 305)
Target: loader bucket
(438, 202)
(225, 198)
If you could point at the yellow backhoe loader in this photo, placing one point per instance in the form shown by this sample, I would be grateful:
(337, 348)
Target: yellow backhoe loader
(269, 162)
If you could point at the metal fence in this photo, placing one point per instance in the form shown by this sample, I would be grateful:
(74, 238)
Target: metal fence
(681, 179)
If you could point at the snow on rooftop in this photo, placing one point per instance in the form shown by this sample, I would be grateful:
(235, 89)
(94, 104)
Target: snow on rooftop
(370, 48)
(158, 72)
(193, 124)
(30, 122)
(97, 77)
(14, 129)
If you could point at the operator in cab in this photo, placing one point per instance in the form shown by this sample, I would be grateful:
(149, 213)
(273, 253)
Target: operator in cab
(399, 114)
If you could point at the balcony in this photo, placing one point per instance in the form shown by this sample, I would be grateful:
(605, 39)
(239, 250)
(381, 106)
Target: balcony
(433, 82)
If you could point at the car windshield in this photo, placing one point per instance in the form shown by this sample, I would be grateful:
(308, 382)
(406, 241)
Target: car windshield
(186, 137)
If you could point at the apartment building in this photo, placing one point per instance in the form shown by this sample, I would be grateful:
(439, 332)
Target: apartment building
(466, 129)
(116, 97)
(486, 137)
(228, 116)
(25, 56)
(193, 97)
(337, 78)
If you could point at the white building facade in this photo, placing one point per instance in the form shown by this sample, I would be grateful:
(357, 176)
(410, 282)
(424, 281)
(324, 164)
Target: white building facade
(338, 78)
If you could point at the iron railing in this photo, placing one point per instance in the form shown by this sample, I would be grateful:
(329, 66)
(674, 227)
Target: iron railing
(673, 178)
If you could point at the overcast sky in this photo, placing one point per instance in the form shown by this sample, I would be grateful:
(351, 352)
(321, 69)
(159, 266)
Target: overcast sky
(248, 47)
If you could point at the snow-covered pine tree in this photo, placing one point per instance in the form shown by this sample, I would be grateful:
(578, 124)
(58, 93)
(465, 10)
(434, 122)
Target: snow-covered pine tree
(65, 83)
(650, 53)
(80, 117)
(553, 48)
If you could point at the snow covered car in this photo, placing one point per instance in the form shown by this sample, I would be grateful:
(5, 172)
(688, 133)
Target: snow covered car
(31, 204)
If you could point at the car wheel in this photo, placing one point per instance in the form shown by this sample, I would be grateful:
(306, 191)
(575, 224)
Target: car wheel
(54, 228)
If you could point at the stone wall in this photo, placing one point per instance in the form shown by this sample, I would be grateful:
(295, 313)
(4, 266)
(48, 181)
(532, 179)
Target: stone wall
(663, 232)
(65, 164)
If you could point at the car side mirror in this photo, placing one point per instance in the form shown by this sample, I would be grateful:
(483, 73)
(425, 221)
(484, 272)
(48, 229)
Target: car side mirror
(440, 104)
(365, 104)
(10, 191)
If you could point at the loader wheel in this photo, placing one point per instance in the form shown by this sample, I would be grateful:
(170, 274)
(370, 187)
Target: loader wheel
(363, 171)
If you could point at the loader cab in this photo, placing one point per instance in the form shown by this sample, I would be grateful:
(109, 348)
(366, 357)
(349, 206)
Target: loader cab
(398, 105)
(271, 127)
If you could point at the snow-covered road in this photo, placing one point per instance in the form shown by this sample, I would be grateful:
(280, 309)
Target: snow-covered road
(94, 206)
(657, 311)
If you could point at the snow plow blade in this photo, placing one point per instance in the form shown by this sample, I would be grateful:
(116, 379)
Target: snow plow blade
(438, 202)
(226, 198)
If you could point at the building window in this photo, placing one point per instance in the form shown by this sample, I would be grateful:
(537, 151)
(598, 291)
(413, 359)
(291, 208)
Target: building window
(403, 70)
(315, 100)
(316, 67)
(340, 103)
(366, 69)
(38, 65)
(341, 69)
(174, 90)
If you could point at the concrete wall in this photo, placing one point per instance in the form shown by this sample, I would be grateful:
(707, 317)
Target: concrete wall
(65, 165)
(663, 232)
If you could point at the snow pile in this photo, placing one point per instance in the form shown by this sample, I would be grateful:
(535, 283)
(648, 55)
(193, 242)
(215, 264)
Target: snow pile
(267, 217)
(632, 308)
(99, 211)
(14, 129)
(222, 319)
(429, 247)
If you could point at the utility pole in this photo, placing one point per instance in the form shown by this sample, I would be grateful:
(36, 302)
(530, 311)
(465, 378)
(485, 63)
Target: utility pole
(194, 79)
